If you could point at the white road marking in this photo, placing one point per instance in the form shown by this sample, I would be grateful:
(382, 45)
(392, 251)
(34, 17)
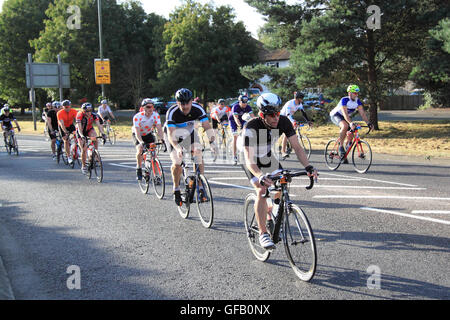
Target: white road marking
(406, 215)
(377, 197)
(229, 184)
(430, 212)
(375, 180)
(358, 187)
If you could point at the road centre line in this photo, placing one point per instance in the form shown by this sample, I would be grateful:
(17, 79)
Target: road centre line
(376, 197)
(406, 215)
(229, 184)
(320, 179)
(134, 167)
(375, 180)
(430, 212)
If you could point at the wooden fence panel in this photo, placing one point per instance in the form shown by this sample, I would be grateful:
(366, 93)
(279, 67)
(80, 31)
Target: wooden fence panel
(402, 102)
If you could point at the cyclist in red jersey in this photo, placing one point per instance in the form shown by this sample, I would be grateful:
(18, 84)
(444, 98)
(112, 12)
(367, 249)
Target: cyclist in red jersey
(85, 128)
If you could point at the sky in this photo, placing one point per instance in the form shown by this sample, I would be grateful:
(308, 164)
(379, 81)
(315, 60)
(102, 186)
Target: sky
(252, 19)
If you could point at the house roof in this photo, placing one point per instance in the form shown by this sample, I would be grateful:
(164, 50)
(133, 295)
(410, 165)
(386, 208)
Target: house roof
(266, 55)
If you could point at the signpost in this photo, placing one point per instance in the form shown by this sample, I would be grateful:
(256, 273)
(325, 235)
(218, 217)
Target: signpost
(46, 75)
(102, 71)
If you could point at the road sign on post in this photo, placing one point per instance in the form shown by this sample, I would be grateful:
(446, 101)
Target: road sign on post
(102, 71)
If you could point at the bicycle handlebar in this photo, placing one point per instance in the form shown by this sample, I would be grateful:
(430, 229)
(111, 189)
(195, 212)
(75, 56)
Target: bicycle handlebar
(289, 175)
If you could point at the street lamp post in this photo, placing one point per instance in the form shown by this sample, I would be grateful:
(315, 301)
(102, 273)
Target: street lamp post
(99, 2)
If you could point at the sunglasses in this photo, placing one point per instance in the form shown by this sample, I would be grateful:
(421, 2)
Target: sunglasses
(148, 106)
(273, 115)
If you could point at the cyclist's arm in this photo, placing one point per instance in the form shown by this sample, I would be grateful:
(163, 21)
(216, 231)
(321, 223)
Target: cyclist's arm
(137, 133)
(236, 119)
(346, 115)
(160, 131)
(172, 140)
(62, 126)
(99, 126)
(210, 133)
(305, 116)
(250, 161)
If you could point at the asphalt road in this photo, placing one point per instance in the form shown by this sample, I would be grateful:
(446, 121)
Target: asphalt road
(126, 245)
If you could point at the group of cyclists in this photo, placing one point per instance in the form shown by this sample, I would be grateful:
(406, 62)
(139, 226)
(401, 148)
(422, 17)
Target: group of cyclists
(253, 135)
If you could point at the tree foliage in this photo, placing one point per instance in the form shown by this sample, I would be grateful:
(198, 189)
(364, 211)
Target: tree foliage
(20, 21)
(204, 50)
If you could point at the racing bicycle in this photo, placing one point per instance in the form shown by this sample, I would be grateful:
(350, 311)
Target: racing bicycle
(360, 150)
(195, 188)
(95, 165)
(303, 139)
(109, 131)
(11, 142)
(60, 151)
(152, 171)
(289, 224)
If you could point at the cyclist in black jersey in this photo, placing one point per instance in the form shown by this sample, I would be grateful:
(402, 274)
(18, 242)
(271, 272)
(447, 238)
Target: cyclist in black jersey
(179, 132)
(259, 159)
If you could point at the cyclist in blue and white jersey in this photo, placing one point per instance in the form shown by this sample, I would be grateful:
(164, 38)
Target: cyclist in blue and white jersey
(6, 117)
(236, 122)
(340, 116)
(288, 110)
(179, 132)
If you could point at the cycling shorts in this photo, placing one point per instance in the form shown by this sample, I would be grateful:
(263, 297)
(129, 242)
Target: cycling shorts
(149, 138)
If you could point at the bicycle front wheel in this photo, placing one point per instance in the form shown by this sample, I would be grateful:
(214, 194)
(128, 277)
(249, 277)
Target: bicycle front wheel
(299, 243)
(362, 156)
(15, 145)
(158, 180)
(252, 230)
(96, 166)
(306, 144)
(185, 208)
(204, 199)
(332, 158)
(144, 183)
(112, 136)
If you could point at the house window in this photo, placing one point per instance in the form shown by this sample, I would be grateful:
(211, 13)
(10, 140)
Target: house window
(273, 64)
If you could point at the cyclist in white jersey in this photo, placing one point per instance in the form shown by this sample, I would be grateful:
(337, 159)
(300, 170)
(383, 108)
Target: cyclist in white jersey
(105, 112)
(143, 123)
(288, 110)
(219, 114)
(340, 116)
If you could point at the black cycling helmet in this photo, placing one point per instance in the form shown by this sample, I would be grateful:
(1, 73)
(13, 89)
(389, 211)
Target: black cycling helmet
(268, 103)
(146, 101)
(299, 95)
(66, 103)
(86, 106)
(183, 95)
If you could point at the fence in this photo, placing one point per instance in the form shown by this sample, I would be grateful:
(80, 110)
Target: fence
(402, 102)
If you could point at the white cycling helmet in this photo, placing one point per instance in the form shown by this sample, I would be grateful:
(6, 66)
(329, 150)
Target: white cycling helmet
(268, 103)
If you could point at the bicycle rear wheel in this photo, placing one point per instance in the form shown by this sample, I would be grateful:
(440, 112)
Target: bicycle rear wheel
(158, 180)
(299, 243)
(96, 166)
(362, 156)
(252, 230)
(332, 157)
(15, 145)
(205, 204)
(184, 209)
(144, 183)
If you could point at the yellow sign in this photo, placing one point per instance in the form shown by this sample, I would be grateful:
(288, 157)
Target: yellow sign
(102, 71)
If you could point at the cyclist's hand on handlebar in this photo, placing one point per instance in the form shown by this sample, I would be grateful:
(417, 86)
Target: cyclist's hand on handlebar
(370, 125)
(312, 172)
(264, 180)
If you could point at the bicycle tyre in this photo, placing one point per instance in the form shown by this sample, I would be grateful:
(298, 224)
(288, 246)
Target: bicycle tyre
(8, 145)
(205, 209)
(16, 146)
(299, 243)
(58, 153)
(332, 158)
(96, 166)
(144, 183)
(186, 207)
(305, 143)
(362, 156)
(157, 178)
(252, 230)
(113, 136)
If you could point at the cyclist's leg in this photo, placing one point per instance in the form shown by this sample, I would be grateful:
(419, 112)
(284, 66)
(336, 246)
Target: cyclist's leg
(83, 147)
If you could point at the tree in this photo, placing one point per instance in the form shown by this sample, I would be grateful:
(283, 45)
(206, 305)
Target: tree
(204, 50)
(335, 45)
(128, 33)
(20, 21)
(433, 70)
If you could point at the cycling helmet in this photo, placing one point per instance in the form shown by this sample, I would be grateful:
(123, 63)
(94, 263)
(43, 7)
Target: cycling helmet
(221, 101)
(183, 95)
(268, 103)
(147, 101)
(66, 103)
(56, 104)
(104, 102)
(353, 88)
(86, 106)
(299, 95)
(243, 98)
(6, 107)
